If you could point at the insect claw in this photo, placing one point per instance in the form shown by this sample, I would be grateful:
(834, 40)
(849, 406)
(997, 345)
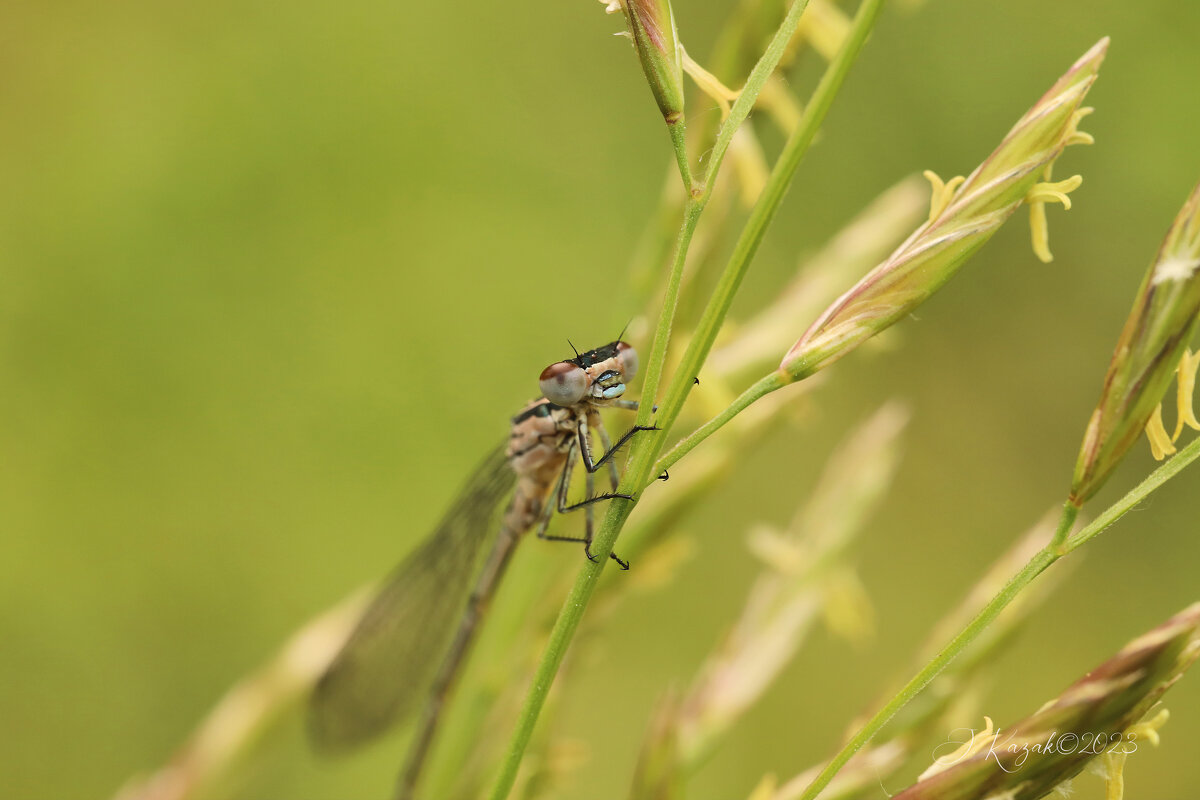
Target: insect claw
(665, 476)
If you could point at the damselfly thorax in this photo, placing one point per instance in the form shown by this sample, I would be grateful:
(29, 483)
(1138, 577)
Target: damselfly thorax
(407, 647)
(552, 433)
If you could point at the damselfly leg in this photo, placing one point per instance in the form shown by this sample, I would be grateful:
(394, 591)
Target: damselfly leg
(582, 446)
(606, 443)
(585, 447)
(406, 651)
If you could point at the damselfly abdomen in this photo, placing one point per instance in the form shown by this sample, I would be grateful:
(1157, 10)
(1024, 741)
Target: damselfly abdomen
(407, 647)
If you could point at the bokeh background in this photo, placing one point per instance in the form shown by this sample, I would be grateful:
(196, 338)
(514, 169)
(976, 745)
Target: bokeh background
(274, 277)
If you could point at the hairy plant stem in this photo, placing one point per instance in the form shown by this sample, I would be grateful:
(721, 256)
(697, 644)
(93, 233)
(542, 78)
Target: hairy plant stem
(1169, 469)
(646, 448)
(747, 245)
(760, 218)
(678, 130)
(759, 389)
(1059, 546)
(1031, 570)
(697, 199)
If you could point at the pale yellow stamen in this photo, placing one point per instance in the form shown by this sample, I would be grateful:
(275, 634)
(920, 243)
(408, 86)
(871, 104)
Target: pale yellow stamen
(1148, 728)
(1077, 136)
(847, 608)
(709, 84)
(780, 102)
(1115, 757)
(749, 164)
(825, 26)
(1162, 445)
(975, 744)
(1160, 442)
(943, 192)
(1114, 762)
(765, 789)
(1185, 379)
(1038, 197)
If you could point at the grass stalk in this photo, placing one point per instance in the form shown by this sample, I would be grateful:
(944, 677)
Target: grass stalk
(678, 130)
(759, 389)
(1035, 566)
(760, 218)
(698, 199)
(1169, 469)
(645, 449)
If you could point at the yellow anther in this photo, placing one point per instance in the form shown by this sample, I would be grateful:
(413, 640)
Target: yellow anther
(825, 26)
(1114, 762)
(1162, 445)
(1115, 757)
(1077, 136)
(709, 84)
(1148, 728)
(1038, 197)
(1054, 192)
(978, 741)
(943, 192)
(847, 608)
(765, 789)
(749, 164)
(1160, 442)
(1185, 380)
(780, 102)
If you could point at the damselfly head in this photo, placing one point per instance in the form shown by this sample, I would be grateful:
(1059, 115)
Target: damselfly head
(599, 374)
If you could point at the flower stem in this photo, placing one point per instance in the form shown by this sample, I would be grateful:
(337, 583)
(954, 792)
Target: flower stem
(1065, 523)
(1016, 583)
(763, 213)
(1169, 469)
(646, 447)
(697, 200)
(692, 210)
(757, 391)
(678, 131)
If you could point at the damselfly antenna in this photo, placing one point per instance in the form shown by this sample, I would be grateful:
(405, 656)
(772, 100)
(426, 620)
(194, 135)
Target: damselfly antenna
(621, 335)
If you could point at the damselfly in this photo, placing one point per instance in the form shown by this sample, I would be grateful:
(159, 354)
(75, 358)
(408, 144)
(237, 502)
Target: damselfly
(406, 649)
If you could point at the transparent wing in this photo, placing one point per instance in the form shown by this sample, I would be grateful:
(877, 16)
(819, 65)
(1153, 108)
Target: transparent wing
(387, 664)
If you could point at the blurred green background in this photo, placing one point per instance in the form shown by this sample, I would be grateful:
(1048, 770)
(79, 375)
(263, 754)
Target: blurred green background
(275, 276)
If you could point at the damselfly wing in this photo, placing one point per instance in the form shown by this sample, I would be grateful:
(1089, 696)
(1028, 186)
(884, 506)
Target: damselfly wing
(384, 670)
(407, 647)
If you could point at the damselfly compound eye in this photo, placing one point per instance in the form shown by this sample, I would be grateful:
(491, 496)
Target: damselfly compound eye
(629, 361)
(564, 383)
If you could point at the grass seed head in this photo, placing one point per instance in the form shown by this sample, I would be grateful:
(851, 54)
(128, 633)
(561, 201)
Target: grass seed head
(964, 213)
(652, 30)
(1047, 749)
(1151, 349)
